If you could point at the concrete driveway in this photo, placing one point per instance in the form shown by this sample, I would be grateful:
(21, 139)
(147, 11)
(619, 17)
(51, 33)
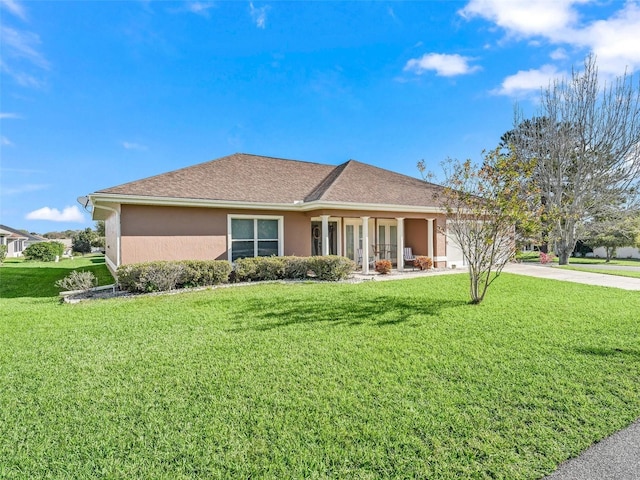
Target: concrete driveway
(588, 278)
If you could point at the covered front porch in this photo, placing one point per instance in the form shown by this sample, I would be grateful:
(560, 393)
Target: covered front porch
(366, 239)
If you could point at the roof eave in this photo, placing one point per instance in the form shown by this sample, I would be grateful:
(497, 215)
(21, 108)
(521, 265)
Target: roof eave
(97, 198)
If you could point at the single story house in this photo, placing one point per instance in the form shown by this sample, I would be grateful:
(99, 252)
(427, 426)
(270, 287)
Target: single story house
(246, 205)
(621, 252)
(16, 240)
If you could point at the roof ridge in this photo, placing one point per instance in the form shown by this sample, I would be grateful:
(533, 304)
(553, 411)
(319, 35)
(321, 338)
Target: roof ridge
(325, 185)
(201, 164)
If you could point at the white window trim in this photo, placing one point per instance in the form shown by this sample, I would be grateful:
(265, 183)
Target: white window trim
(234, 216)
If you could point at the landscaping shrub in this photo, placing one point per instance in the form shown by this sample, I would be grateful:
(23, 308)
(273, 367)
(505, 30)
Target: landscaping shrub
(260, 268)
(43, 251)
(199, 273)
(331, 267)
(3, 253)
(150, 276)
(78, 280)
(383, 266)
(167, 275)
(546, 258)
(423, 263)
(296, 268)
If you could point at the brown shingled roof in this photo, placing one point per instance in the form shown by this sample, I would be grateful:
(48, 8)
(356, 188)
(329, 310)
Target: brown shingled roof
(255, 179)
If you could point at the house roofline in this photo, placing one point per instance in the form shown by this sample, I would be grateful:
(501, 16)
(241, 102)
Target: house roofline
(297, 206)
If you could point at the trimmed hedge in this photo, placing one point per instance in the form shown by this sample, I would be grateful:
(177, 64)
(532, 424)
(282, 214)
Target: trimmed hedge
(43, 251)
(327, 268)
(253, 269)
(168, 275)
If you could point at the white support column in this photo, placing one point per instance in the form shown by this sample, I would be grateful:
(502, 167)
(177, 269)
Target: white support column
(365, 245)
(400, 243)
(430, 238)
(325, 234)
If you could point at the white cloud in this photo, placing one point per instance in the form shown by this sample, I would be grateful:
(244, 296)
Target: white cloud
(200, 8)
(559, 54)
(68, 214)
(5, 142)
(443, 64)
(615, 40)
(22, 44)
(525, 18)
(258, 15)
(527, 82)
(28, 188)
(4, 115)
(134, 146)
(14, 7)
(20, 55)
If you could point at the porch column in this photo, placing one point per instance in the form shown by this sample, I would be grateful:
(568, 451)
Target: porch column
(365, 245)
(325, 234)
(400, 243)
(430, 239)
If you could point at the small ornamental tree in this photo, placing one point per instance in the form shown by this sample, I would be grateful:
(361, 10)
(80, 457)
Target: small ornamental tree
(484, 205)
(81, 241)
(619, 229)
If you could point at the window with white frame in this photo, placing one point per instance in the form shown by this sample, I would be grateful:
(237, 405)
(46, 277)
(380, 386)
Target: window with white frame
(255, 236)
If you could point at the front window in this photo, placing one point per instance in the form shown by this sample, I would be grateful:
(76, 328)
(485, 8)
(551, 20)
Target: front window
(255, 237)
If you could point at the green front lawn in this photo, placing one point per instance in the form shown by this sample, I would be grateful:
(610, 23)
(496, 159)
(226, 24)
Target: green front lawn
(629, 262)
(399, 379)
(535, 257)
(19, 278)
(619, 273)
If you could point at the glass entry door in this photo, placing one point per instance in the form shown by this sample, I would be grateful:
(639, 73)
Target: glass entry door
(387, 241)
(316, 238)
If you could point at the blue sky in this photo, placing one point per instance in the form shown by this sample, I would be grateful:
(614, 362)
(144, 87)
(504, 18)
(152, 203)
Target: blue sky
(98, 93)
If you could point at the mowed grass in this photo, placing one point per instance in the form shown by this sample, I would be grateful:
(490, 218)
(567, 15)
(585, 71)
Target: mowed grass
(619, 273)
(20, 278)
(399, 379)
(628, 262)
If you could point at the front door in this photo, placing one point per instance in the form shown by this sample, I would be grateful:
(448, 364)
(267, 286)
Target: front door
(316, 238)
(388, 239)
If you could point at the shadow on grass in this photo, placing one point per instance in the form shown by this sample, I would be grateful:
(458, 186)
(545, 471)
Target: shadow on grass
(608, 352)
(383, 311)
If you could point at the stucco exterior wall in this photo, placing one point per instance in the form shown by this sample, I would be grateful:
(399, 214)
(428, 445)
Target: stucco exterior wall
(182, 233)
(415, 235)
(149, 233)
(111, 240)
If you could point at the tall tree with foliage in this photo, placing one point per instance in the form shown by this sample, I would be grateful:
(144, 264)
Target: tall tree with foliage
(586, 144)
(81, 241)
(484, 205)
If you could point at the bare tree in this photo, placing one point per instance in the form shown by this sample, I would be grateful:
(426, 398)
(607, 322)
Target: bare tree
(586, 145)
(484, 205)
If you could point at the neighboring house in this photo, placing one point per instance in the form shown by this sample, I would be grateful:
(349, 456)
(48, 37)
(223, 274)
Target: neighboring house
(16, 241)
(621, 252)
(246, 205)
